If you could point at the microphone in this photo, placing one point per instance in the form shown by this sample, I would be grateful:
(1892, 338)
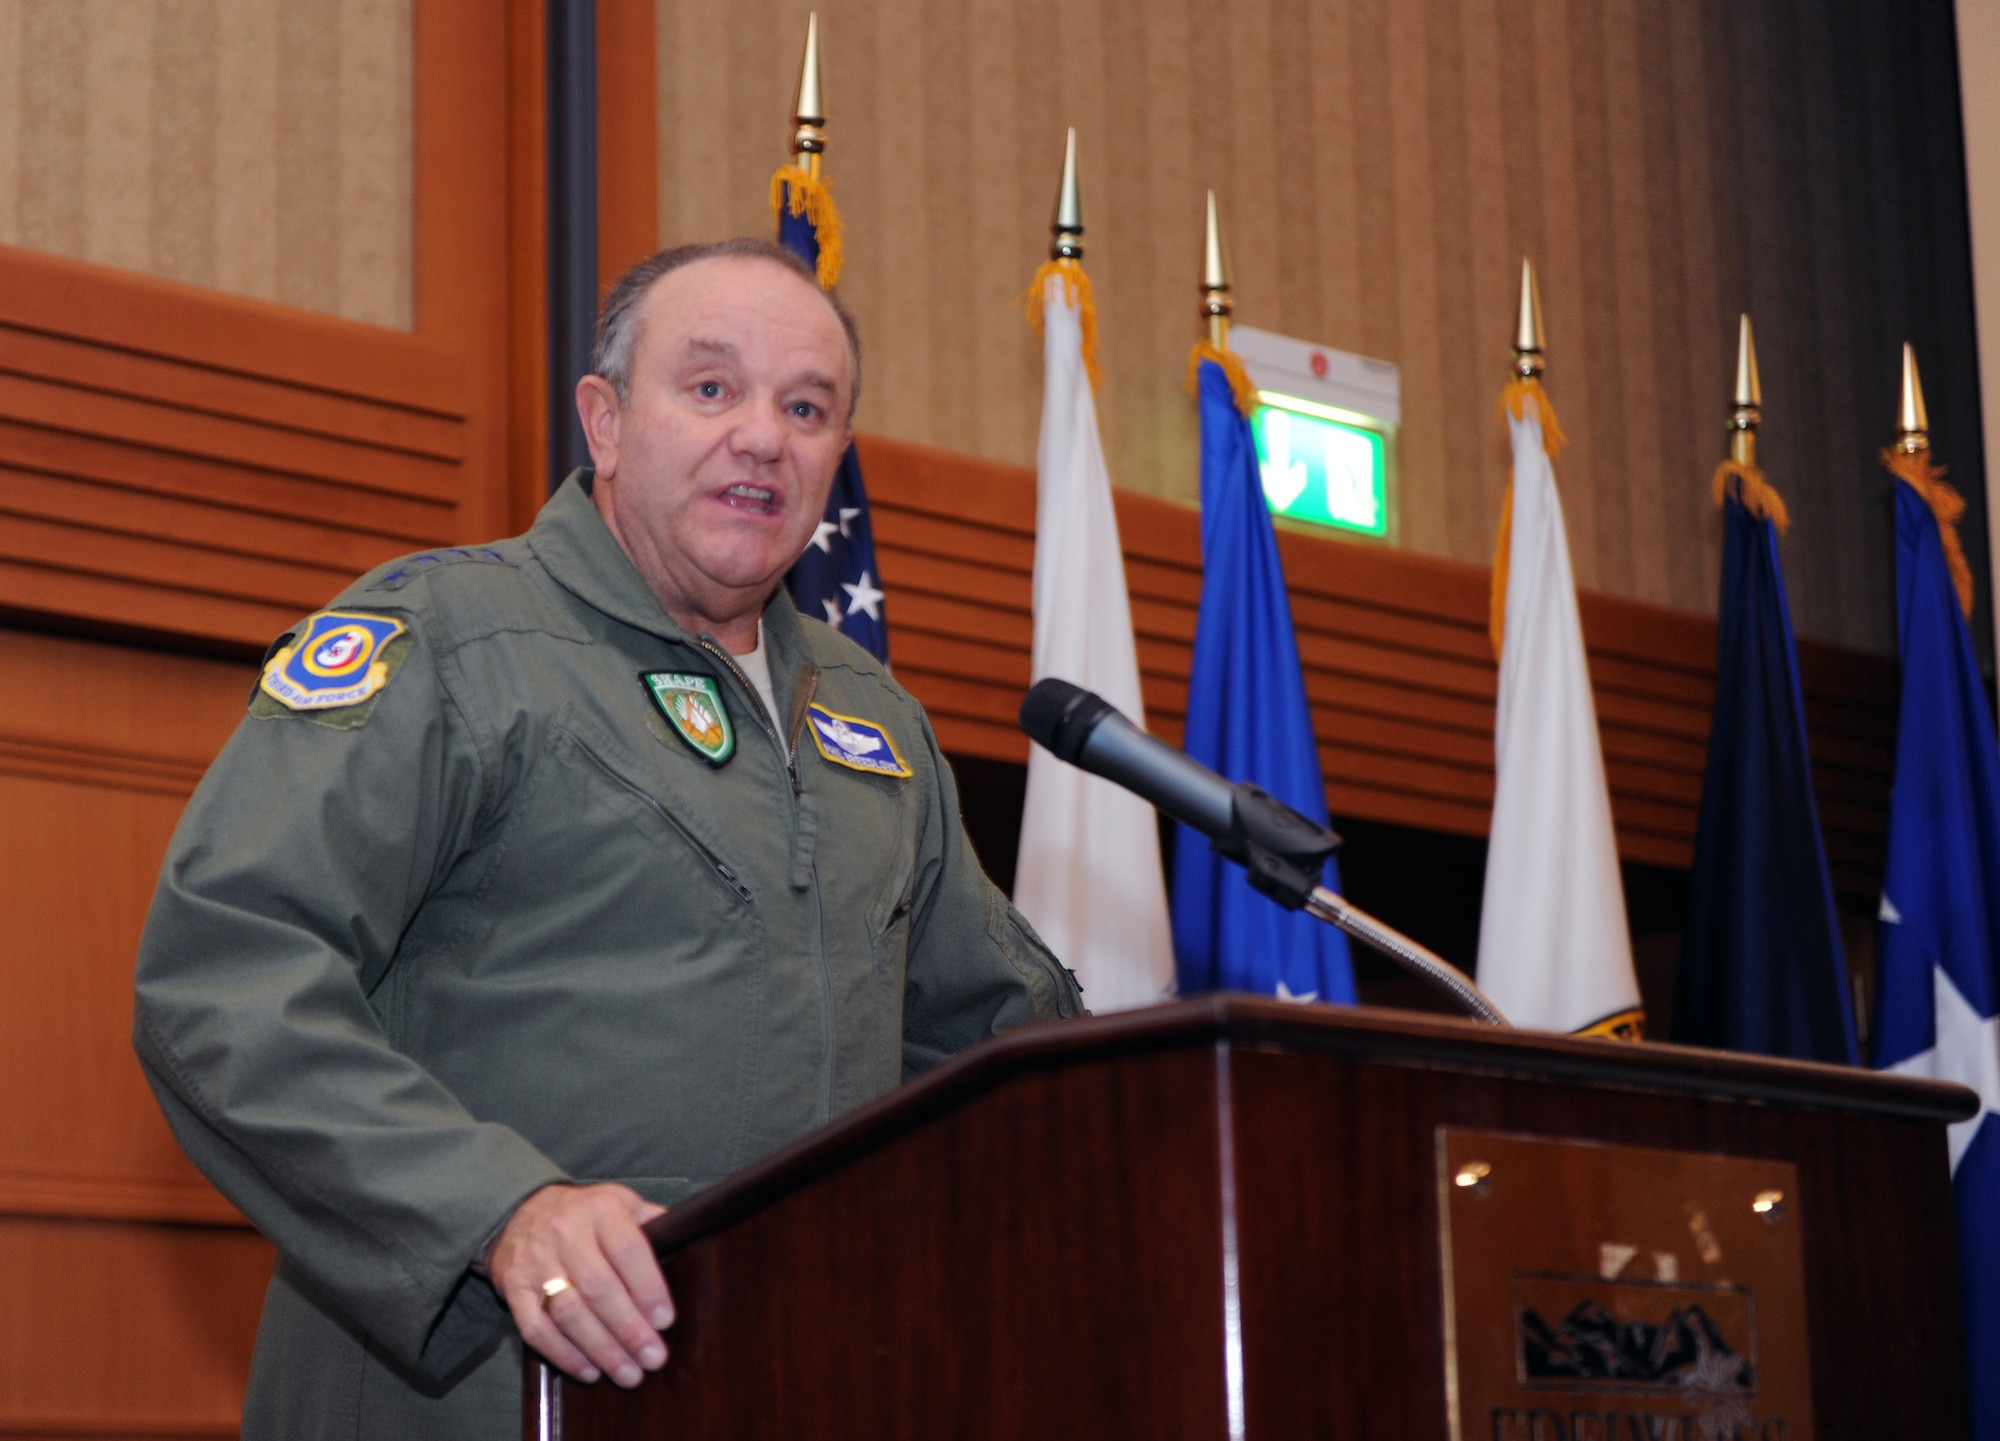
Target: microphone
(1284, 852)
(1085, 729)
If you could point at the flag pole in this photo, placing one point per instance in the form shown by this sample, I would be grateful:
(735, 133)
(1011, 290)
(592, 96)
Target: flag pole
(1066, 228)
(1749, 400)
(1529, 343)
(809, 110)
(1913, 421)
(1216, 304)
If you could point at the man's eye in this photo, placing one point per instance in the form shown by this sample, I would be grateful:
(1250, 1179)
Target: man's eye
(709, 390)
(805, 410)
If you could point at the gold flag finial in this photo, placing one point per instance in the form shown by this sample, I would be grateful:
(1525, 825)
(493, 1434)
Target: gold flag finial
(1528, 332)
(1747, 407)
(1215, 301)
(1913, 422)
(809, 112)
(1068, 223)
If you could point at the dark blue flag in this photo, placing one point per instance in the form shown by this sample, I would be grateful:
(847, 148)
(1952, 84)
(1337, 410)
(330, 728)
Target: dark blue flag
(836, 580)
(1247, 718)
(1761, 964)
(1937, 989)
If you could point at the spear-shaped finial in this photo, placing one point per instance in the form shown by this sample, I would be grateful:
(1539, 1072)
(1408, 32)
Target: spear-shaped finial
(1913, 422)
(809, 112)
(1068, 223)
(1747, 407)
(1528, 333)
(1215, 301)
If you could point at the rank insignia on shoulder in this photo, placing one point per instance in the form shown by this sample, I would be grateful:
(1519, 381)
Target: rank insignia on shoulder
(692, 704)
(857, 744)
(337, 660)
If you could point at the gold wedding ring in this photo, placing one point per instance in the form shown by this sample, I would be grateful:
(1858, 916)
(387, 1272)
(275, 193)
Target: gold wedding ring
(554, 1288)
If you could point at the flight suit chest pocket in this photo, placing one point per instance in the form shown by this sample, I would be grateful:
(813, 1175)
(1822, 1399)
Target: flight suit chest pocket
(616, 809)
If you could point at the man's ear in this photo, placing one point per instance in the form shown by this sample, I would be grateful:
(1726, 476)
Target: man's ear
(597, 406)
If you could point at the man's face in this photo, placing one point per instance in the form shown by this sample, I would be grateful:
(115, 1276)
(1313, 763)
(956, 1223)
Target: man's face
(715, 471)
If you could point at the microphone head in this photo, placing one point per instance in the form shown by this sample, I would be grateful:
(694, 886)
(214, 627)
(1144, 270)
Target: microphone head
(1061, 716)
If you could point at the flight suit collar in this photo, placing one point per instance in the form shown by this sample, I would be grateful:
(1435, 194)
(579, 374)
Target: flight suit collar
(575, 546)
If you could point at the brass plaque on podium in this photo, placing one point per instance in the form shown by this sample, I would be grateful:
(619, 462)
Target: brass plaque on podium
(1620, 1293)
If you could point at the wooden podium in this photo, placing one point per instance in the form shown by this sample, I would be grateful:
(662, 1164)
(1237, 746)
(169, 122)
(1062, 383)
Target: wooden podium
(1233, 1218)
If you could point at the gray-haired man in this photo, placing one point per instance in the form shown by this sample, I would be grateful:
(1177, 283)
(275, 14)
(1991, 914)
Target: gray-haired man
(550, 880)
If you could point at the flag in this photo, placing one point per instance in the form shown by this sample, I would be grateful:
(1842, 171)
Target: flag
(835, 580)
(1554, 953)
(1089, 877)
(1761, 965)
(1937, 988)
(1247, 718)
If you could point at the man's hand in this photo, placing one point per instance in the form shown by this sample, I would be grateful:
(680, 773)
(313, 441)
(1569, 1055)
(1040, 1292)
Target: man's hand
(608, 1319)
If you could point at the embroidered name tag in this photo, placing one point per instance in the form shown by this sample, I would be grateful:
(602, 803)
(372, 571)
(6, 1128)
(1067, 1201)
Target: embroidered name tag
(337, 662)
(857, 744)
(693, 706)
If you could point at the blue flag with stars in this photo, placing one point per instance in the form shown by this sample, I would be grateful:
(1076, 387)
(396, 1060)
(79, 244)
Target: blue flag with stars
(1247, 718)
(1761, 965)
(1937, 989)
(836, 580)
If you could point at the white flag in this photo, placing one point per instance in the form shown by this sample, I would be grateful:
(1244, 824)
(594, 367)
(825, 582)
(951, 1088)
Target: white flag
(1554, 951)
(1089, 876)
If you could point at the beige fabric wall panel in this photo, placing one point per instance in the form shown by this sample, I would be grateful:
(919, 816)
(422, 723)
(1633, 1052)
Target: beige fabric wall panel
(1383, 165)
(261, 147)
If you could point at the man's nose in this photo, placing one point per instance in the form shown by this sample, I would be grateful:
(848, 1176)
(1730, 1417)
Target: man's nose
(760, 432)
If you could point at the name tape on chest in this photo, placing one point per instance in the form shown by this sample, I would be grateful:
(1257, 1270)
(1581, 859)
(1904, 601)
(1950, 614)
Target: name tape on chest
(857, 744)
(338, 661)
(692, 704)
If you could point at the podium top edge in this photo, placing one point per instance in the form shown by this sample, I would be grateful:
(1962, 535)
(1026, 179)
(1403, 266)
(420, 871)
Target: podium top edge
(1355, 1032)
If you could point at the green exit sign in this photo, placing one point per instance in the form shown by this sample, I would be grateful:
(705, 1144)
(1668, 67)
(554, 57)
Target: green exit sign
(1322, 465)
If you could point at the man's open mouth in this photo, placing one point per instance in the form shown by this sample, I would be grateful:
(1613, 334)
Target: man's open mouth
(751, 497)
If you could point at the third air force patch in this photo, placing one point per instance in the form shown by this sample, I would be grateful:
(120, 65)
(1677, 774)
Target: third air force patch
(338, 661)
(857, 744)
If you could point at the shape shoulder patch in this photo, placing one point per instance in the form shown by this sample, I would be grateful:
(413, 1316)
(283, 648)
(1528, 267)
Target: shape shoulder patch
(860, 745)
(337, 660)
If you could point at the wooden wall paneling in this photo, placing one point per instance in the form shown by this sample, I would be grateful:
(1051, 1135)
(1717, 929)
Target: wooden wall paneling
(1399, 670)
(120, 1331)
(461, 235)
(179, 461)
(100, 746)
(527, 263)
(174, 461)
(628, 149)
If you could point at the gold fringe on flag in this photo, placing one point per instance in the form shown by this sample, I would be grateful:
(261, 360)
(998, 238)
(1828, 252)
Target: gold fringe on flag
(1496, 606)
(1239, 378)
(1077, 296)
(1753, 491)
(1514, 401)
(811, 198)
(1916, 471)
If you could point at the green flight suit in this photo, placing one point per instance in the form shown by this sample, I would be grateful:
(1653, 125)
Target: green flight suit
(500, 925)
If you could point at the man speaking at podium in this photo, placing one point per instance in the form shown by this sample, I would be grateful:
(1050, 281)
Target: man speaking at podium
(548, 881)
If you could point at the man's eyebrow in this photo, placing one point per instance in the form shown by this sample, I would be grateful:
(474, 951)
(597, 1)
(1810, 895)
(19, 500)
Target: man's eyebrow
(719, 348)
(820, 381)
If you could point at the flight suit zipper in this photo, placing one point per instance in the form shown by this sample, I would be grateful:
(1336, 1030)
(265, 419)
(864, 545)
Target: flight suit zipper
(828, 1045)
(757, 702)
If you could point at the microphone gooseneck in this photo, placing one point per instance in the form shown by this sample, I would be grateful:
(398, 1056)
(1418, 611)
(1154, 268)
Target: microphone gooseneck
(1283, 852)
